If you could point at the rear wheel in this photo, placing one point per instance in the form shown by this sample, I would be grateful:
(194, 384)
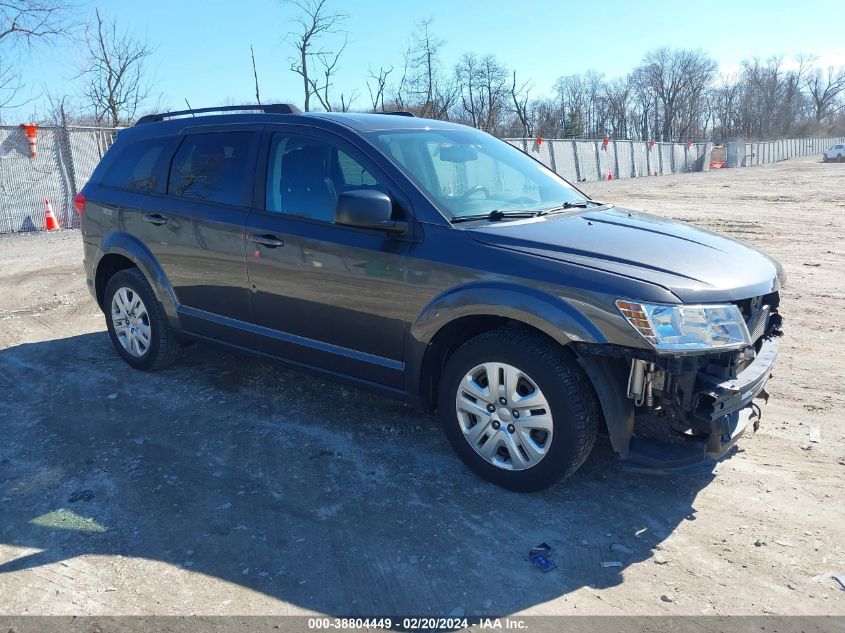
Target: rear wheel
(517, 409)
(841, 158)
(136, 322)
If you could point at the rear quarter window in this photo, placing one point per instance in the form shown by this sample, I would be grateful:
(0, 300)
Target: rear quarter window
(137, 167)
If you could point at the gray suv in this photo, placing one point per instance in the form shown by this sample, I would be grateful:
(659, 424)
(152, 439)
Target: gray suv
(437, 264)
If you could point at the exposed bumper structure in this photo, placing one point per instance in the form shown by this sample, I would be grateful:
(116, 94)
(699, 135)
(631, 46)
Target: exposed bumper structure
(730, 414)
(708, 404)
(730, 396)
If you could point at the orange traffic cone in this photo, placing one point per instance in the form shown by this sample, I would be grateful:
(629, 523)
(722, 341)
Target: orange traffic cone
(50, 222)
(31, 131)
(609, 175)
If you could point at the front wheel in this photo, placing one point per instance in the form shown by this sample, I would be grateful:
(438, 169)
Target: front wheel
(136, 322)
(517, 409)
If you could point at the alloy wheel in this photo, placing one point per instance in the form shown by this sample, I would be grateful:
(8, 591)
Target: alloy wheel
(131, 321)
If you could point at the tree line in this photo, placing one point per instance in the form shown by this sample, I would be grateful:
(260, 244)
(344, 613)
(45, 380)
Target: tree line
(673, 94)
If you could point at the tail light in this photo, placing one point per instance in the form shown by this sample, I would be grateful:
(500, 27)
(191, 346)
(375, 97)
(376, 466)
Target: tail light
(79, 202)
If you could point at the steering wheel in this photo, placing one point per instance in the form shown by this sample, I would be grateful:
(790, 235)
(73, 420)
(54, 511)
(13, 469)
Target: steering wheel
(474, 190)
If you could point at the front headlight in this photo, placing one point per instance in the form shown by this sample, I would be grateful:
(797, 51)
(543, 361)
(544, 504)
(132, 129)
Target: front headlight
(685, 328)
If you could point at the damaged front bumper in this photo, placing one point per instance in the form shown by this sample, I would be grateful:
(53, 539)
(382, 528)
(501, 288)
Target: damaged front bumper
(723, 412)
(701, 404)
(729, 397)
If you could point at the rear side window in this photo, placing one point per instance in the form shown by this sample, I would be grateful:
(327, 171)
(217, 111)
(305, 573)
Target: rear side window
(213, 167)
(137, 166)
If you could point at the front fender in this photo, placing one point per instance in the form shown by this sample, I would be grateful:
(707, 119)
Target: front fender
(133, 249)
(547, 313)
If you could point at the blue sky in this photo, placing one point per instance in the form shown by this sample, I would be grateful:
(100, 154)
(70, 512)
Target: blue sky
(202, 48)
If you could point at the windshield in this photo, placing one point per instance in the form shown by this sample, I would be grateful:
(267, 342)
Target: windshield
(467, 172)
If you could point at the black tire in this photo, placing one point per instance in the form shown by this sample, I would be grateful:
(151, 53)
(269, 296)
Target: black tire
(824, 158)
(841, 158)
(571, 398)
(163, 348)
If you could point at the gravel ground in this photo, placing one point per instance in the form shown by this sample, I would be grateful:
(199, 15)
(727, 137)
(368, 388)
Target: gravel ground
(226, 485)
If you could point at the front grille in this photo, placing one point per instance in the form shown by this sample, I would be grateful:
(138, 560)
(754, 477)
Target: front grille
(757, 323)
(757, 312)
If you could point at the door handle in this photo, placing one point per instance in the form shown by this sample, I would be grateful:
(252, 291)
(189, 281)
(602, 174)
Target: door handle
(155, 218)
(270, 241)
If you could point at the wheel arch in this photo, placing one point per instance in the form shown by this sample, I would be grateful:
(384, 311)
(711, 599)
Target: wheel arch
(459, 315)
(119, 251)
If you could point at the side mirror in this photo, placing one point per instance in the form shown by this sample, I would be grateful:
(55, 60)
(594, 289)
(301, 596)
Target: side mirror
(368, 209)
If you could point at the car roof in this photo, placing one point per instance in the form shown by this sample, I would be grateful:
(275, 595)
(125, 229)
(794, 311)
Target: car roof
(357, 122)
(369, 122)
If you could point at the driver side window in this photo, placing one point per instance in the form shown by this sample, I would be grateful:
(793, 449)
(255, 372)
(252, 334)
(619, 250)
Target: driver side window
(306, 174)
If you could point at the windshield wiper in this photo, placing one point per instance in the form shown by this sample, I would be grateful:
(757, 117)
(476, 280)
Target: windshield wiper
(495, 215)
(570, 204)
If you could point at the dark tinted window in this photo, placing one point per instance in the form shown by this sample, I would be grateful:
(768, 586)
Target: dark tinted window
(136, 167)
(214, 167)
(305, 175)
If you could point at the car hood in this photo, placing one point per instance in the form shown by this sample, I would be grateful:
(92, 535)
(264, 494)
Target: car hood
(693, 263)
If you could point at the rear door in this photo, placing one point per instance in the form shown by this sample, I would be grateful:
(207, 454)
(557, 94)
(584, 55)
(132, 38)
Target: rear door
(323, 294)
(137, 169)
(195, 227)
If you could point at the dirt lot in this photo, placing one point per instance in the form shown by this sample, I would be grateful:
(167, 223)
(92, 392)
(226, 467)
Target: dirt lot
(225, 485)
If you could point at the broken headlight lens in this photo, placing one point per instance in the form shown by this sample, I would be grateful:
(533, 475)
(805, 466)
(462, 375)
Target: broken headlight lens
(687, 328)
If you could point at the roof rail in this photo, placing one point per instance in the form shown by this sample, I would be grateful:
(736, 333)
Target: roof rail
(270, 108)
(399, 113)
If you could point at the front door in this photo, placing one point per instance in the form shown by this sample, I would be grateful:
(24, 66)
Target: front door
(323, 294)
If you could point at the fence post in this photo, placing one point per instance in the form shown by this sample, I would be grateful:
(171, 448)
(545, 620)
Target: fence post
(69, 166)
(616, 160)
(598, 158)
(552, 156)
(577, 162)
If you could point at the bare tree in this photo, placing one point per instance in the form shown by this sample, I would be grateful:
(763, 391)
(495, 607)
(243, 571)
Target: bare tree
(10, 84)
(346, 103)
(483, 89)
(377, 91)
(617, 98)
(59, 109)
(315, 22)
(430, 93)
(328, 61)
(519, 97)
(580, 105)
(27, 21)
(34, 19)
(255, 75)
(825, 88)
(677, 79)
(115, 71)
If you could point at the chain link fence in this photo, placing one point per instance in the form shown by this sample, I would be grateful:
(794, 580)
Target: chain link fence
(587, 160)
(66, 157)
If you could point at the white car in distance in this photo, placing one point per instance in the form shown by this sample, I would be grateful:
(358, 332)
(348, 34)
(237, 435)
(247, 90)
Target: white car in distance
(835, 153)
